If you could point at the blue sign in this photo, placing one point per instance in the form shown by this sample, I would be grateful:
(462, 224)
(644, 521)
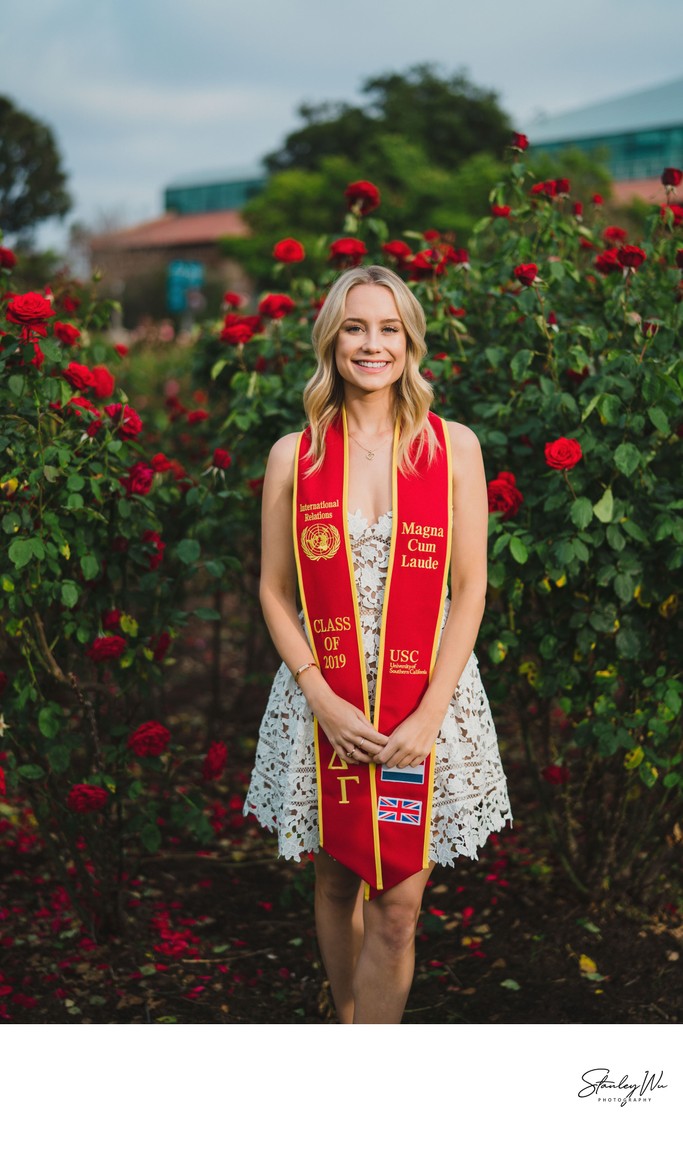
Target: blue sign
(184, 276)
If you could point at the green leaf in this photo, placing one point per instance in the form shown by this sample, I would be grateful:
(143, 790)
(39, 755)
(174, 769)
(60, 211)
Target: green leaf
(520, 363)
(21, 552)
(659, 419)
(49, 722)
(151, 837)
(604, 508)
(188, 551)
(510, 984)
(581, 512)
(70, 593)
(89, 566)
(627, 457)
(31, 771)
(217, 368)
(518, 549)
(207, 613)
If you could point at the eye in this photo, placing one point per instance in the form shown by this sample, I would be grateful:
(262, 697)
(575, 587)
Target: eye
(391, 330)
(352, 327)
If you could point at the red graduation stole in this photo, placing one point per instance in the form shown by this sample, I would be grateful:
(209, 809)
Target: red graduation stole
(373, 819)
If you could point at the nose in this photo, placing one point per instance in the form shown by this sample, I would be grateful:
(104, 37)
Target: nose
(371, 343)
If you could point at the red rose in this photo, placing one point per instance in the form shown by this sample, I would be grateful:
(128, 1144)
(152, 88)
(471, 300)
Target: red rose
(630, 256)
(121, 350)
(69, 303)
(149, 740)
(597, 199)
(161, 462)
(362, 196)
(608, 262)
(215, 761)
(562, 187)
(500, 210)
(676, 214)
(222, 458)
(108, 647)
(103, 382)
(399, 249)
(83, 798)
(671, 177)
(556, 775)
(614, 235)
(679, 258)
(425, 264)
(458, 312)
(197, 416)
(526, 273)
(237, 332)
(79, 376)
(159, 645)
(520, 141)
(31, 311)
(126, 421)
(38, 355)
(504, 495)
(4, 680)
(450, 255)
(563, 454)
(348, 252)
(66, 333)
(7, 258)
(3, 784)
(276, 306)
(578, 209)
(545, 188)
(139, 479)
(111, 619)
(159, 546)
(289, 251)
(78, 404)
(233, 299)
(431, 234)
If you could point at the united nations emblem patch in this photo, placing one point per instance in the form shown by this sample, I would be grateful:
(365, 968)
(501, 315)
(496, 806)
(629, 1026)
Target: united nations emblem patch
(320, 541)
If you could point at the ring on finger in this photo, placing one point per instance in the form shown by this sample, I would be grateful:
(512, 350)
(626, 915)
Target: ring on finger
(360, 745)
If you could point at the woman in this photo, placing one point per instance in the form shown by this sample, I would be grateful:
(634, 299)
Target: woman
(382, 489)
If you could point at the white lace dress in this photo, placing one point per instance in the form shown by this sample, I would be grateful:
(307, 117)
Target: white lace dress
(470, 793)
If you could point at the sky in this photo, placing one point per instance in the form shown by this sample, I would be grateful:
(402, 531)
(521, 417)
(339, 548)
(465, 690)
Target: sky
(141, 92)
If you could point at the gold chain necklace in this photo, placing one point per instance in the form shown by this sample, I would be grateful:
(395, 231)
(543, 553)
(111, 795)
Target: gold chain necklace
(368, 453)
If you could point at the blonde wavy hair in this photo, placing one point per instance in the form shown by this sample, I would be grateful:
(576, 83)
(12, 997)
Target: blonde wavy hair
(324, 393)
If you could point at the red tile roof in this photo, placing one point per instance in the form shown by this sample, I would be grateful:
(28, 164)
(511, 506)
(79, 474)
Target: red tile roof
(650, 190)
(173, 230)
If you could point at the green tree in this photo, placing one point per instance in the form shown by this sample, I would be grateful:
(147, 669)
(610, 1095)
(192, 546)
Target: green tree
(449, 117)
(32, 181)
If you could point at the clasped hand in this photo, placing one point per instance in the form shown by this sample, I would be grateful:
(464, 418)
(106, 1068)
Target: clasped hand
(355, 739)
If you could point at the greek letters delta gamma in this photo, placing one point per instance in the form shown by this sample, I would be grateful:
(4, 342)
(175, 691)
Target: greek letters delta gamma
(375, 820)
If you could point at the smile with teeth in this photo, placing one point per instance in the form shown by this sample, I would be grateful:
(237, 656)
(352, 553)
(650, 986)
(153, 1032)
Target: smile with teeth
(372, 364)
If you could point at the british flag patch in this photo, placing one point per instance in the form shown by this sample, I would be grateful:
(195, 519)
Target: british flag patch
(399, 811)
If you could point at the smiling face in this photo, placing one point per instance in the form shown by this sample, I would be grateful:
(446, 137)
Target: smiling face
(370, 349)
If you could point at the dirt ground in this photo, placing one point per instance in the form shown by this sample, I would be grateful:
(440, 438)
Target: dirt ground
(227, 936)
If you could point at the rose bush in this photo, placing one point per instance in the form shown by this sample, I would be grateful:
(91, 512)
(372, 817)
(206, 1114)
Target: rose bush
(103, 535)
(565, 360)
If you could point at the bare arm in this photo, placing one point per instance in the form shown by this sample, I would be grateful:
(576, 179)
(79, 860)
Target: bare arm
(413, 739)
(344, 724)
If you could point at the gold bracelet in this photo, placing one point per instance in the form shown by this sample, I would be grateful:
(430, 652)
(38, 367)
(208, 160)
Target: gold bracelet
(302, 668)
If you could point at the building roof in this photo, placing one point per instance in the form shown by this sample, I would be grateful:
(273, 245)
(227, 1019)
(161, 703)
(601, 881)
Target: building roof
(173, 230)
(660, 107)
(218, 176)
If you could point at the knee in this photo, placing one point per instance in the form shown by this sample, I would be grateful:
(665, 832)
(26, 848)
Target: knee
(393, 927)
(339, 888)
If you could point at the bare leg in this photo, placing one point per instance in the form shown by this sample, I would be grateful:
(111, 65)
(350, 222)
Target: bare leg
(385, 967)
(339, 926)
